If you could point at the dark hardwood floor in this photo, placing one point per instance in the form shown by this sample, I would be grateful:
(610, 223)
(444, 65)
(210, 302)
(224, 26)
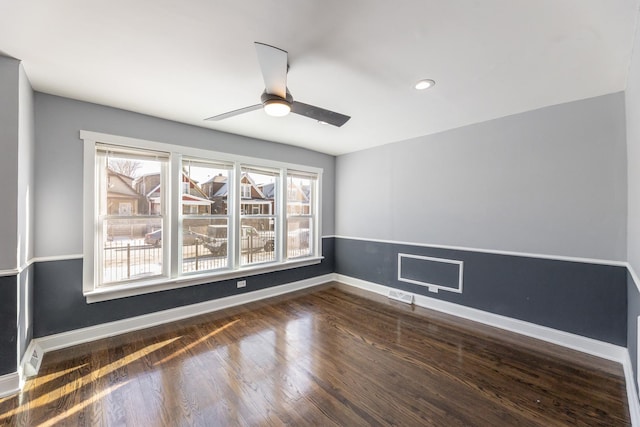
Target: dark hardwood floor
(321, 357)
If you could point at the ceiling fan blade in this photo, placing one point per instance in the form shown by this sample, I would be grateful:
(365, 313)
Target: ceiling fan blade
(320, 114)
(234, 113)
(273, 63)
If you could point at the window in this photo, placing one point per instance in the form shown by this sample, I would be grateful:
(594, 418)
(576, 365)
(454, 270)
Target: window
(259, 230)
(127, 216)
(159, 216)
(301, 219)
(205, 228)
(245, 191)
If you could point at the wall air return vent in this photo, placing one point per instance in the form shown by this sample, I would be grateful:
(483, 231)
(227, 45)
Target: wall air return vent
(433, 273)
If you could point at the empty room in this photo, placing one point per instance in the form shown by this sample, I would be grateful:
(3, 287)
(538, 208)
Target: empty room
(416, 213)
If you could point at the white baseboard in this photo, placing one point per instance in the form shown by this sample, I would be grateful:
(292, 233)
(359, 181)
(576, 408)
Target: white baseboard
(105, 330)
(576, 342)
(9, 384)
(12, 383)
(632, 394)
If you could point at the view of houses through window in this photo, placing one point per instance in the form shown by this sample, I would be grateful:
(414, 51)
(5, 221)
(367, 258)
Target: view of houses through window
(300, 187)
(258, 214)
(205, 215)
(134, 213)
(130, 215)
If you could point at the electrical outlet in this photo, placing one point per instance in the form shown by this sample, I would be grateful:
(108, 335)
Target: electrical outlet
(241, 283)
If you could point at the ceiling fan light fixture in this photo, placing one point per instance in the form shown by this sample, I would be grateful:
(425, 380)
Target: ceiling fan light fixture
(424, 84)
(277, 107)
(276, 100)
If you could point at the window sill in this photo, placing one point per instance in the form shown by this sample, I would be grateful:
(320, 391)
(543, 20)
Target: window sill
(162, 284)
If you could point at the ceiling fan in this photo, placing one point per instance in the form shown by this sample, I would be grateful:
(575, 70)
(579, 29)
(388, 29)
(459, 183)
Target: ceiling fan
(276, 98)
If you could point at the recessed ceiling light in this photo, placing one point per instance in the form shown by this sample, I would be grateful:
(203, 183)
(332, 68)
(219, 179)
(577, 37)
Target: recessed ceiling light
(322, 122)
(424, 84)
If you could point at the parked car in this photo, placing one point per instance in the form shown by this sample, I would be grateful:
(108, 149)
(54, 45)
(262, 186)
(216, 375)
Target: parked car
(250, 240)
(155, 238)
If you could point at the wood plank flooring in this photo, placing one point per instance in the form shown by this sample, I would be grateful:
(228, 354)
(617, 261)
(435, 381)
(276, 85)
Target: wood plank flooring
(322, 357)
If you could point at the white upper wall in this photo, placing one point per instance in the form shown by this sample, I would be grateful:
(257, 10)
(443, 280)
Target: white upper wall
(59, 164)
(632, 104)
(550, 181)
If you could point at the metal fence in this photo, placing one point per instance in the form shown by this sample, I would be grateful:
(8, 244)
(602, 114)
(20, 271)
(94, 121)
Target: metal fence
(127, 259)
(130, 259)
(133, 259)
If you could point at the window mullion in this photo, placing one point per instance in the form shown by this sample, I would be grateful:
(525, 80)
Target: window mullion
(234, 250)
(172, 217)
(316, 190)
(282, 197)
(92, 274)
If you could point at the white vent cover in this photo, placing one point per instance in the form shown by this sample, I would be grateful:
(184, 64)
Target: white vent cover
(401, 296)
(32, 366)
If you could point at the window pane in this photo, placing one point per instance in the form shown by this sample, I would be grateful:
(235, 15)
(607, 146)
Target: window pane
(257, 240)
(298, 237)
(299, 195)
(204, 244)
(300, 213)
(132, 248)
(258, 189)
(205, 188)
(130, 209)
(131, 186)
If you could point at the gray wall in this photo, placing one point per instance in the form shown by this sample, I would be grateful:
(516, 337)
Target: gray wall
(25, 308)
(8, 325)
(58, 162)
(580, 298)
(25, 201)
(59, 305)
(547, 182)
(632, 110)
(550, 181)
(16, 225)
(9, 72)
(633, 312)
(25, 184)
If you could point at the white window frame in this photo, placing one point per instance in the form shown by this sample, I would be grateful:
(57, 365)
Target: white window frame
(311, 215)
(183, 217)
(245, 170)
(174, 278)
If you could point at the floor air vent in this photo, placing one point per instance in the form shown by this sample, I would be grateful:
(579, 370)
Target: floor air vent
(405, 297)
(33, 365)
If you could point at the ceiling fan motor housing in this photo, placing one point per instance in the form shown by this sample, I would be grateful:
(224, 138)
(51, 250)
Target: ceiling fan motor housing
(270, 97)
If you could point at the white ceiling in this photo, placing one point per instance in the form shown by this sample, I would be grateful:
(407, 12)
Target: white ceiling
(187, 60)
